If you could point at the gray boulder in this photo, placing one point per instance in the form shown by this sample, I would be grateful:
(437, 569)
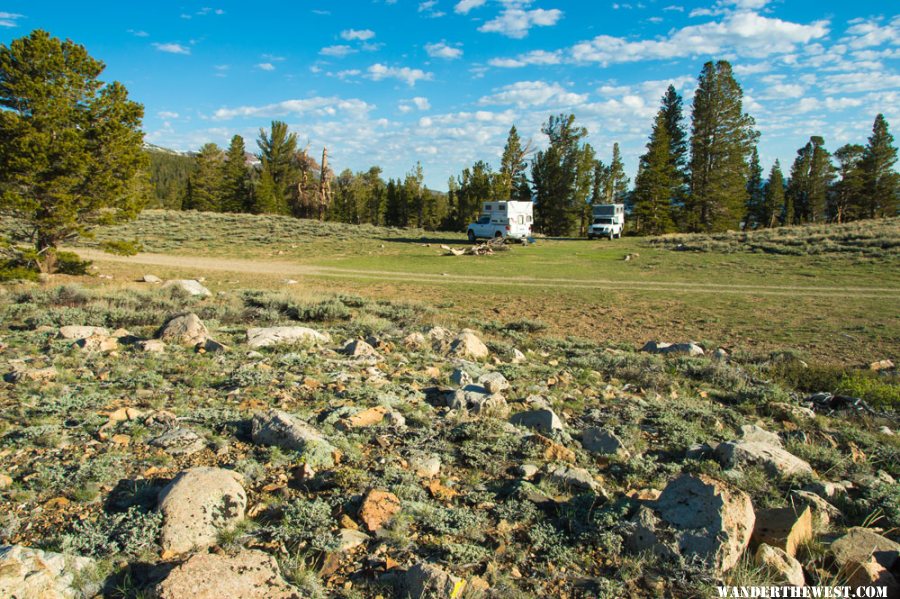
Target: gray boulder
(673, 349)
(280, 429)
(27, 573)
(189, 286)
(543, 420)
(269, 336)
(430, 580)
(494, 382)
(603, 442)
(250, 574)
(699, 518)
(179, 441)
(185, 329)
(75, 332)
(775, 460)
(199, 504)
(468, 346)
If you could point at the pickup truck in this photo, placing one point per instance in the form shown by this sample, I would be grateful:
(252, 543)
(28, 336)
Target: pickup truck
(502, 219)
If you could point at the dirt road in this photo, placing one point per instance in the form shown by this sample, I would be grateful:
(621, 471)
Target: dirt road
(288, 269)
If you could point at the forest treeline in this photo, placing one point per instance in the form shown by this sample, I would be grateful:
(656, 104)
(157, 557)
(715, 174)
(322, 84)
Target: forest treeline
(701, 176)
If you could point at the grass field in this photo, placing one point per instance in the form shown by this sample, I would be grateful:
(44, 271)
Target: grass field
(831, 293)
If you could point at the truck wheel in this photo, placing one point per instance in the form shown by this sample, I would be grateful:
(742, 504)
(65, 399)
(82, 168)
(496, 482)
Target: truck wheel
(498, 234)
(612, 236)
(471, 236)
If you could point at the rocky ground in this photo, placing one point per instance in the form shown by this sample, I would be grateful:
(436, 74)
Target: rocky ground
(159, 441)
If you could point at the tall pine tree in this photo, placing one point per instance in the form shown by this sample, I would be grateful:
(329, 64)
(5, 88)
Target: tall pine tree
(555, 174)
(206, 181)
(512, 179)
(722, 138)
(754, 216)
(655, 183)
(235, 178)
(847, 195)
(881, 182)
(773, 198)
(277, 152)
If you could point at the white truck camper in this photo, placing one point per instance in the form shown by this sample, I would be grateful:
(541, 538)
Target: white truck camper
(503, 219)
(609, 220)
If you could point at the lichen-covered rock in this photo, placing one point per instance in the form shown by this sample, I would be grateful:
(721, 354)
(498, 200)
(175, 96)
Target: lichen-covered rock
(280, 429)
(184, 329)
(74, 331)
(377, 509)
(785, 566)
(430, 580)
(544, 420)
(27, 573)
(250, 574)
(775, 460)
(179, 441)
(602, 442)
(673, 349)
(494, 382)
(866, 558)
(468, 346)
(358, 348)
(269, 336)
(199, 504)
(189, 286)
(699, 518)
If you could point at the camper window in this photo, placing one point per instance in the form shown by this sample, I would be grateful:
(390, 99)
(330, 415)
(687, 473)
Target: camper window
(484, 219)
(501, 206)
(521, 219)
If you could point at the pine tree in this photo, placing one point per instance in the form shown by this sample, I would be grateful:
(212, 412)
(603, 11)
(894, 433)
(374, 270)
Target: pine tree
(655, 183)
(722, 137)
(206, 180)
(881, 182)
(555, 173)
(235, 178)
(616, 181)
(265, 198)
(678, 147)
(773, 198)
(278, 149)
(755, 195)
(848, 193)
(512, 179)
(811, 177)
(71, 153)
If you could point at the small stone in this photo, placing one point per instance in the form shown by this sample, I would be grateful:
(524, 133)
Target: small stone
(603, 442)
(673, 349)
(518, 357)
(551, 450)
(544, 420)
(184, 329)
(469, 346)
(527, 471)
(179, 441)
(570, 476)
(461, 378)
(366, 418)
(377, 508)
(189, 286)
(494, 382)
(775, 460)
(754, 433)
(395, 419)
(152, 346)
(283, 430)
(785, 566)
(98, 343)
(349, 538)
(75, 332)
(430, 580)
(269, 336)
(415, 341)
(426, 466)
(881, 365)
(6, 481)
(822, 511)
(358, 348)
(151, 279)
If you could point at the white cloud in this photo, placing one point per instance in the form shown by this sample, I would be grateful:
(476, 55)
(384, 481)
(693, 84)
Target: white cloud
(442, 50)
(138, 33)
(534, 93)
(378, 71)
(860, 82)
(464, 6)
(535, 57)
(428, 6)
(357, 34)
(747, 34)
(165, 114)
(785, 90)
(266, 66)
(869, 32)
(318, 106)
(417, 103)
(172, 48)
(516, 22)
(338, 51)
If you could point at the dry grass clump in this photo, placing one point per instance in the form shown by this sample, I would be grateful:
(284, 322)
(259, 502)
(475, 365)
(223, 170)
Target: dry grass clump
(871, 238)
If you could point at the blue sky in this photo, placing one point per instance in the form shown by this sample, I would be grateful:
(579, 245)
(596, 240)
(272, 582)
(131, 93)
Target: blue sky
(390, 82)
